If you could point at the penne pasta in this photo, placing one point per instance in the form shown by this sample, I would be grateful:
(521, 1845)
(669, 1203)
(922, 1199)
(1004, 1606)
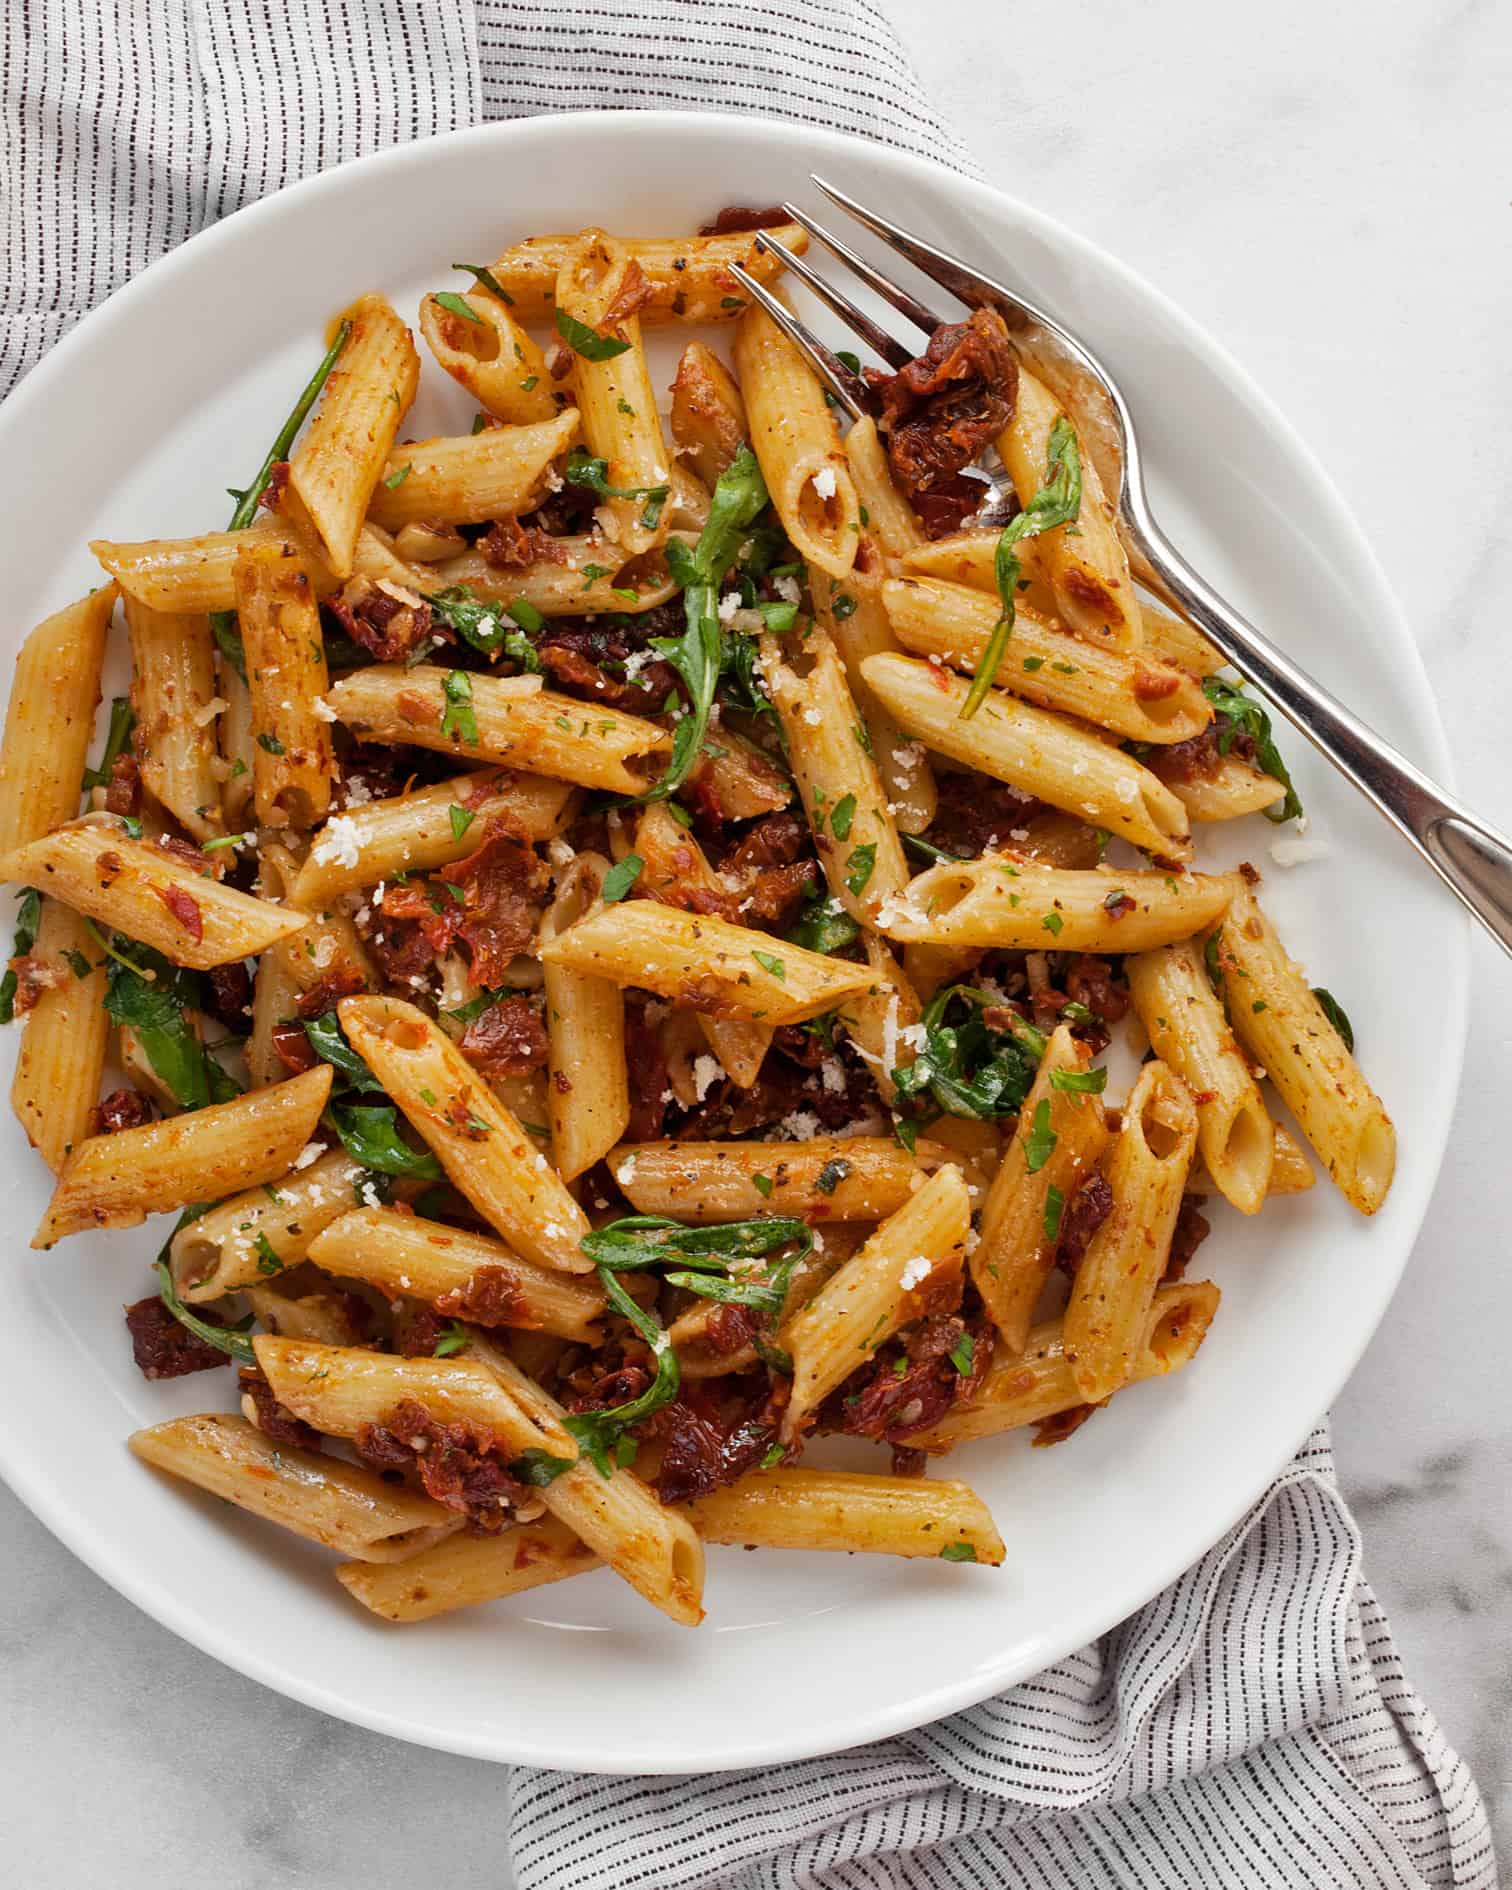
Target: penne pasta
(506, 719)
(338, 465)
(493, 474)
(827, 1178)
(1284, 1027)
(1233, 786)
(849, 1512)
(256, 1235)
(1041, 754)
(149, 894)
(886, 516)
(184, 577)
(722, 969)
(237, 751)
(1056, 1146)
(173, 694)
(340, 1505)
(688, 277)
(999, 900)
(489, 353)
(63, 1045)
(425, 828)
(460, 1273)
(793, 437)
(888, 1284)
(118, 1180)
(1121, 1268)
(584, 575)
(588, 1097)
(292, 758)
(708, 417)
(50, 718)
(463, 1571)
(1136, 696)
(480, 1144)
(1188, 1030)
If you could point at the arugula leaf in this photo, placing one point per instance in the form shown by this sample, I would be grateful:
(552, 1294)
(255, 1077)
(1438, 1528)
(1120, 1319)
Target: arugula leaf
(1039, 1144)
(1058, 502)
(223, 622)
(228, 1339)
(586, 341)
(970, 1069)
(1229, 699)
(453, 1339)
(926, 849)
(861, 861)
(599, 1434)
(461, 819)
(1334, 1011)
(638, 1242)
(328, 1041)
(28, 918)
(153, 998)
(583, 469)
(698, 654)
(459, 718)
(1080, 1082)
(488, 627)
(454, 305)
(370, 1135)
(769, 963)
(486, 279)
(620, 878)
(122, 721)
(821, 930)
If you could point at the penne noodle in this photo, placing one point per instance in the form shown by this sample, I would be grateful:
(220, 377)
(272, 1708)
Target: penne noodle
(876, 1019)
(465, 1570)
(1002, 901)
(508, 719)
(1121, 1268)
(793, 436)
(338, 465)
(327, 1318)
(708, 417)
(63, 1044)
(599, 286)
(173, 694)
(1284, 1028)
(689, 277)
(493, 474)
(256, 1235)
(49, 719)
(340, 1505)
(827, 1178)
(149, 894)
(588, 1097)
(490, 354)
(185, 576)
(425, 828)
(584, 575)
(118, 1180)
(1087, 565)
(1232, 787)
(292, 760)
(238, 753)
(860, 629)
(889, 1283)
(837, 779)
(849, 1512)
(480, 1144)
(1045, 755)
(1188, 1030)
(1056, 1146)
(886, 516)
(1038, 1383)
(725, 970)
(970, 558)
(1174, 641)
(405, 1256)
(1135, 695)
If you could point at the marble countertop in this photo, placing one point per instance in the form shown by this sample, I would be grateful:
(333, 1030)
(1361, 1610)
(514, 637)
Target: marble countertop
(1326, 189)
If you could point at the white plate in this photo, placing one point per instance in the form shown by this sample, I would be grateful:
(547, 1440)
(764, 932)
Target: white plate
(170, 393)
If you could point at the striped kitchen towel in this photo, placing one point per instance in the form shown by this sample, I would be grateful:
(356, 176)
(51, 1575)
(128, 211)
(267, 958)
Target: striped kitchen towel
(1251, 1727)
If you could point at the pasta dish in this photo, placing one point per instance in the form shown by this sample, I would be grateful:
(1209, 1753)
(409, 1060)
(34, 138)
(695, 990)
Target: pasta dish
(604, 929)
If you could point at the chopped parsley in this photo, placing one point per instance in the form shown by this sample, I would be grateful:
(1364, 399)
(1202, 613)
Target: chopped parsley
(621, 877)
(586, 341)
(459, 718)
(1039, 1143)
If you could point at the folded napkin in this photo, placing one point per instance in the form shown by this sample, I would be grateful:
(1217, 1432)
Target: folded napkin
(1251, 1727)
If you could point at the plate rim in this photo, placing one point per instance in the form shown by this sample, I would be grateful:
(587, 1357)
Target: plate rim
(179, 1615)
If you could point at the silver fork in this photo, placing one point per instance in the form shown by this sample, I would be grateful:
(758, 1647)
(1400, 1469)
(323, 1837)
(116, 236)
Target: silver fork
(1472, 858)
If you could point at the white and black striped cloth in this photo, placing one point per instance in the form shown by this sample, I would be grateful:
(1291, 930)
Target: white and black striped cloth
(1251, 1727)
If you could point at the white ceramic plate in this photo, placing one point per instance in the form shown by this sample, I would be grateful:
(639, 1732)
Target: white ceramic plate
(135, 426)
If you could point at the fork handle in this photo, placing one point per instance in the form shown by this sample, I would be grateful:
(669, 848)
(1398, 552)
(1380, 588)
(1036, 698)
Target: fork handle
(1473, 859)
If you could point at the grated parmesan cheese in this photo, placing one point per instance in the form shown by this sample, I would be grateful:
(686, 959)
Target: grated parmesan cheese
(323, 710)
(1296, 852)
(311, 1152)
(825, 483)
(915, 1273)
(338, 844)
(707, 1071)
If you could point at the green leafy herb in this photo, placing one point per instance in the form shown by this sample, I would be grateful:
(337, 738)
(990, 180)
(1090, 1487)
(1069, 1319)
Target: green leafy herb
(231, 1340)
(1058, 502)
(1212, 957)
(453, 1339)
(459, 718)
(328, 1041)
(486, 279)
(962, 1353)
(583, 469)
(1055, 1203)
(454, 305)
(831, 1175)
(397, 478)
(78, 964)
(819, 929)
(268, 1260)
(122, 721)
(762, 1185)
(1334, 1011)
(861, 861)
(958, 1552)
(621, 877)
(28, 918)
(487, 627)
(586, 341)
(270, 744)
(774, 1456)
(843, 814)
(461, 819)
(774, 965)
(698, 654)
(842, 605)
(1052, 922)
(971, 1068)
(927, 850)
(370, 1135)
(527, 616)
(1080, 1082)
(1039, 1144)
(1244, 714)
(153, 999)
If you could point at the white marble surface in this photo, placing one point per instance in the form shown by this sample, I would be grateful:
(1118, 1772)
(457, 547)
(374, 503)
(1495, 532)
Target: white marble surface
(1327, 189)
